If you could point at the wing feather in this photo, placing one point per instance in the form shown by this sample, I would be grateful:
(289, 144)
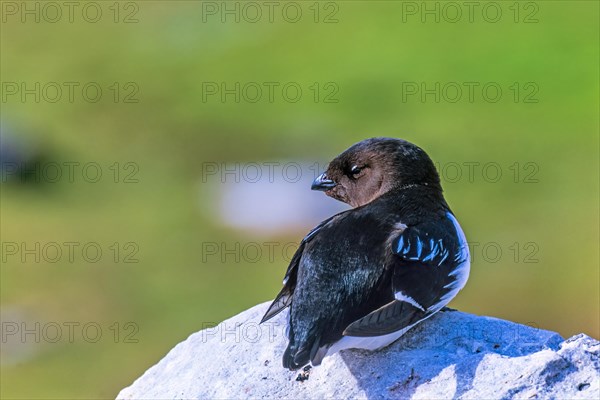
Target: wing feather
(423, 277)
(284, 298)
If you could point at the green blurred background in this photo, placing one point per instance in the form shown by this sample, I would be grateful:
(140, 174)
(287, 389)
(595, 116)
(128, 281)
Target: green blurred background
(171, 133)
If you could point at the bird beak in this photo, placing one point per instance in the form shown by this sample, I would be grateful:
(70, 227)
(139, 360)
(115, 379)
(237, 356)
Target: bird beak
(322, 183)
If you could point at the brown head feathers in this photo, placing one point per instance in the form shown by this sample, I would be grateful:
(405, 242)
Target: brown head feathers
(375, 166)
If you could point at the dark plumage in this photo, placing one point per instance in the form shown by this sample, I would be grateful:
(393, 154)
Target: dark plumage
(365, 276)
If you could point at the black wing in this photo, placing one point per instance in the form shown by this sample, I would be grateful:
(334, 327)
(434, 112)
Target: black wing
(284, 298)
(424, 259)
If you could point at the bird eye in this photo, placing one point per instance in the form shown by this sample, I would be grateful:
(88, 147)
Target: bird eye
(355, 170)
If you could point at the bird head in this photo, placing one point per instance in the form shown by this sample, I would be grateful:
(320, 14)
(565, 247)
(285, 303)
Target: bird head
(373, 167)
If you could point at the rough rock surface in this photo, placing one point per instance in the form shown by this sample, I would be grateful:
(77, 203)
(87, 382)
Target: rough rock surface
(451, 355)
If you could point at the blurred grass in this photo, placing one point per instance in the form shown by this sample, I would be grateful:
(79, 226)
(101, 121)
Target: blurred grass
(170, 293)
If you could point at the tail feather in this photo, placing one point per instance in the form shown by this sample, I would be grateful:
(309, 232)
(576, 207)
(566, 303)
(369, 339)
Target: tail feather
(317, 353)
(294, 360)
(297, 356)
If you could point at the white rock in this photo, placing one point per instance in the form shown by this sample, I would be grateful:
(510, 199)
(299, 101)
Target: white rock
(451, 355)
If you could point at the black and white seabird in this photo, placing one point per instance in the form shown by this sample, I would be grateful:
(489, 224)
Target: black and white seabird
(365, 276)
